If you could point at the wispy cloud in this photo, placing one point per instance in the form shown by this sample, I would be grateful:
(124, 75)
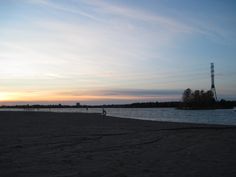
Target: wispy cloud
(116, 14)
(98, 8)
(60, 7)
(121, 95)
(140, 15)
(114, 93)
(186, 24)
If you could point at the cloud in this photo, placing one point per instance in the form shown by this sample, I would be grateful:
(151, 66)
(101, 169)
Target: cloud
(140, 92)
(38, 1)
(115, 96)
(124, 92)
(186, 24)
(110, 13)
(63, 7)
(126, 12)
(96, 9)
(129, 18)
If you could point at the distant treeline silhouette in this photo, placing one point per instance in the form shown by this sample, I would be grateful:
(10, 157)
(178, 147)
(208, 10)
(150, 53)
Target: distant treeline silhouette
(199, 99)
(78, 105)
(198, 103)
(145, 105)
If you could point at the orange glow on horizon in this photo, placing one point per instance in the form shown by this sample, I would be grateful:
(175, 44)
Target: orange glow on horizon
(83, 96)
(38, 96)
(48, 98)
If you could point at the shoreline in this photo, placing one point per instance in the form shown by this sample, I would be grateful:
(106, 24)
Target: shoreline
(80, 144)
(185, 120)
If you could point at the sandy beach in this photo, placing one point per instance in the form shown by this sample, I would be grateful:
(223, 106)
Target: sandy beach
(37, 144)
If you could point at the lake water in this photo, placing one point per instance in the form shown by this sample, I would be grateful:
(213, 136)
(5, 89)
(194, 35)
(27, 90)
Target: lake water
(220, 116)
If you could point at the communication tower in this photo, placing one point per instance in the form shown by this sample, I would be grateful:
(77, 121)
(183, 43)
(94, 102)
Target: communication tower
(213, 89)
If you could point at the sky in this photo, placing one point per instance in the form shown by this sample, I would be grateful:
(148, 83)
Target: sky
(115, 51)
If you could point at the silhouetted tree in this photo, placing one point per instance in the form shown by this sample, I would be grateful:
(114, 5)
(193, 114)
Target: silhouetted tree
(209, 96)
(198, 98)
(187, 95)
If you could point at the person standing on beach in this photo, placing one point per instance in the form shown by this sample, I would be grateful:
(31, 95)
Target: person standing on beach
(104, 113)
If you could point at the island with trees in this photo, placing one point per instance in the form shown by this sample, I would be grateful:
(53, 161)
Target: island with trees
(199, 99)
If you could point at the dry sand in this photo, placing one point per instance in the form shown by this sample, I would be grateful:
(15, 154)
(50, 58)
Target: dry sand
(34, 144)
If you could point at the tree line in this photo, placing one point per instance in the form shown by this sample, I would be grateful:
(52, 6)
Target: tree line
(200, 99)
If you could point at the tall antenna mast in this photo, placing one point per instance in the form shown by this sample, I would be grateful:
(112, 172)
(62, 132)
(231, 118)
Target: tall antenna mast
(213, 89)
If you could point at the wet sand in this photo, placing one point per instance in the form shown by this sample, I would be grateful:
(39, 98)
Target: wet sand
(34, 144)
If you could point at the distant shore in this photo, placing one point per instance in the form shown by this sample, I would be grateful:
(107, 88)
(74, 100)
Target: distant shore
(171, 104)
(75, 144)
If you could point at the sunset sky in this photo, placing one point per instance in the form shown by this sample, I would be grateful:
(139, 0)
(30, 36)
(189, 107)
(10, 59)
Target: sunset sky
(115, 51)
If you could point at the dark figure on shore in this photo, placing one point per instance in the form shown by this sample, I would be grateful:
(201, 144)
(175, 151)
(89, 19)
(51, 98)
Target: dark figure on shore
(104, 113)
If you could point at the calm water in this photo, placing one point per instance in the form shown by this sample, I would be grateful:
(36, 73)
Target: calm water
(221, 116)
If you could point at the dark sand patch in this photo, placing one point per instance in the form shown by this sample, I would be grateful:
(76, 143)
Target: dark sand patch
(74, 144)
